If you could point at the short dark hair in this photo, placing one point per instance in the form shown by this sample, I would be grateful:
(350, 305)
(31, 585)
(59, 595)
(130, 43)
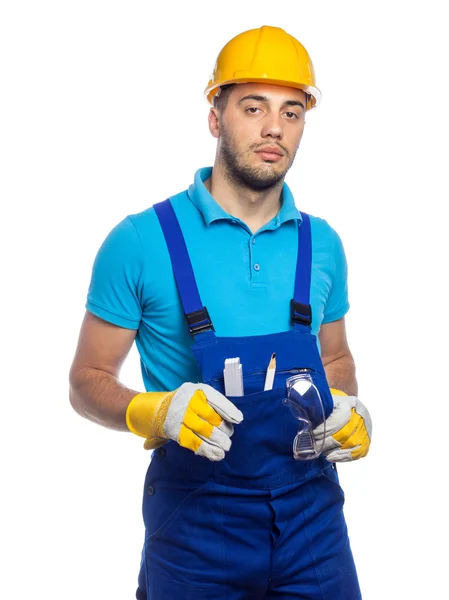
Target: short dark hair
(221, 100)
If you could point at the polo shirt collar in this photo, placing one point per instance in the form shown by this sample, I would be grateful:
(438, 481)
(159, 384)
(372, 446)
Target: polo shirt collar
(212, 211)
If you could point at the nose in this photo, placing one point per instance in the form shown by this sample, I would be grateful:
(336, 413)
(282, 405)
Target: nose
(272, 127)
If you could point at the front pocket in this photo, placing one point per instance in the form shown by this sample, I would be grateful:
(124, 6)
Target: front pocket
(262, 444)
(254, 382)
(185, 532)
(167, 502)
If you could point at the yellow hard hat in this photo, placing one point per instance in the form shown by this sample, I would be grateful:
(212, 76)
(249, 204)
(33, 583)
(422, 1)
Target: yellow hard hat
(265, 55)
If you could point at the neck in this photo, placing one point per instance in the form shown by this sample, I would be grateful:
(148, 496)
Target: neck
(255, 208)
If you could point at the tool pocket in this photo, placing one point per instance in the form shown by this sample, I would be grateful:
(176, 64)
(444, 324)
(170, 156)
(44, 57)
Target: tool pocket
(184, 520)
(168, 498)
(261, 454)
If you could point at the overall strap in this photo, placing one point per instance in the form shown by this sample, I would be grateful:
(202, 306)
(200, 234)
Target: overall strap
(196, 314)
(301, 310)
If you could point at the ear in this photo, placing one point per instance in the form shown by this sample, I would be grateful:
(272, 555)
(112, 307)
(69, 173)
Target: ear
(214, 123)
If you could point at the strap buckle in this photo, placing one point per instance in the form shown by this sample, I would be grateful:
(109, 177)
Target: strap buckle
(301, 313)
(199, 321)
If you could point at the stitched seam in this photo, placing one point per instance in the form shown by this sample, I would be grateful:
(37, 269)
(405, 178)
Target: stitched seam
(310, 548)
(144, 261)
(160, 414)
(110, 312)
(224, 549)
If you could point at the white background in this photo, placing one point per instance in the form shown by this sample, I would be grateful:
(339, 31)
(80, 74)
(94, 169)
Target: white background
(101, 115)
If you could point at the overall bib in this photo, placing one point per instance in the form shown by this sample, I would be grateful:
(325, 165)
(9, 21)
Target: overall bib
(258, 524)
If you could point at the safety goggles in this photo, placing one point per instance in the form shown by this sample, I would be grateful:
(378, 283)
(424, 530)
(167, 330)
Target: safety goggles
(304, 401)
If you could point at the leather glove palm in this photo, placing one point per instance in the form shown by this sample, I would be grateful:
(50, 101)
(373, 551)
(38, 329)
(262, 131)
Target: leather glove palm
(348, 429)
(195, 416)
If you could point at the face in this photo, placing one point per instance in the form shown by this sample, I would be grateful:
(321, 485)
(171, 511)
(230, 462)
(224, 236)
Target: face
(259, 132)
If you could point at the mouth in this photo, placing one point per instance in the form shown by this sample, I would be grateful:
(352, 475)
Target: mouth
(270, 153)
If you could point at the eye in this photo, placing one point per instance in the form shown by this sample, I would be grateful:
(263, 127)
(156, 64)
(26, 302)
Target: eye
(252, 110)
(292, 115)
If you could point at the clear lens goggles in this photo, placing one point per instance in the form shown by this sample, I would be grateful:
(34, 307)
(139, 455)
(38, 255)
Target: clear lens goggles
(304, 401)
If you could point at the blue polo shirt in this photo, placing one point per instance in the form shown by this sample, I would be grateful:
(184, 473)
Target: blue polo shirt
(245, 280)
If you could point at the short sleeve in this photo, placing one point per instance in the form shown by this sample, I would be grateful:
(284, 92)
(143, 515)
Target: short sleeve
(337, 304)
(115, 287)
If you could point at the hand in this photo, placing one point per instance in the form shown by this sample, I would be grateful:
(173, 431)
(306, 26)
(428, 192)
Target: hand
(348, 429)
(195, 416)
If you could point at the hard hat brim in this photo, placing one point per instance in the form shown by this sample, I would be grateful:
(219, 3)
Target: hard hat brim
(211, 91)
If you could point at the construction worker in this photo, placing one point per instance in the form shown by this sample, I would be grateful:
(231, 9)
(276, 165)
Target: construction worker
(230, 268)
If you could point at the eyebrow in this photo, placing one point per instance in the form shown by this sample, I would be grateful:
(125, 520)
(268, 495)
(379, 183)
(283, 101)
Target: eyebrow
(265, 99)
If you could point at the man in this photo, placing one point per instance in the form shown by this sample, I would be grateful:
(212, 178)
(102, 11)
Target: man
(228, 511)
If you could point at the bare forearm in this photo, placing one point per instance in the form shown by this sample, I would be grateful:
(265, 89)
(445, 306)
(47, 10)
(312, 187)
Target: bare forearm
(340, 374)
(100, 397)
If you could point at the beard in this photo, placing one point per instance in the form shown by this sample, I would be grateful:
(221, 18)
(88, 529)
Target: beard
(255, 178)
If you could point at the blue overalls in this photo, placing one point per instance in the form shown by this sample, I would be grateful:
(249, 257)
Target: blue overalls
(258, 524)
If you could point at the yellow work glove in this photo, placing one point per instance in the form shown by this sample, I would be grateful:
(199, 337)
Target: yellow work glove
(348, 429)
(195, 416)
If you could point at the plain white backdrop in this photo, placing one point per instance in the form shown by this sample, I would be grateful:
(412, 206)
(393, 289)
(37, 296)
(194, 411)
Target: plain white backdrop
(102, 115)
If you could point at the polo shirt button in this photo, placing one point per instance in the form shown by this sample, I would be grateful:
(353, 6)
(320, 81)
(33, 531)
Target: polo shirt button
(254, 240)
(257, 267)
(150, 490)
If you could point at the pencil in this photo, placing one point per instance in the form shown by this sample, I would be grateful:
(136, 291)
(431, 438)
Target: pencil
(271, 370)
